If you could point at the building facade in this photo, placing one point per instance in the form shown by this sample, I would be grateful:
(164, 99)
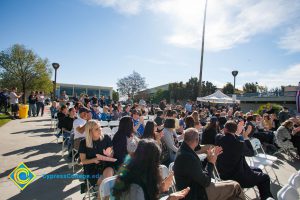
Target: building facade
(90, 90)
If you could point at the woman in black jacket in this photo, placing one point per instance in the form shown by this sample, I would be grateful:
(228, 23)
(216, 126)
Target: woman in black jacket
(210, 131)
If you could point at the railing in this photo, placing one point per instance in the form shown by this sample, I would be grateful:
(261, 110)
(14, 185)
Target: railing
(266, 94)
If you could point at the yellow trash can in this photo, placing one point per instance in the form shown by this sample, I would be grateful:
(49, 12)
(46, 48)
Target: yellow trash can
(23, 111)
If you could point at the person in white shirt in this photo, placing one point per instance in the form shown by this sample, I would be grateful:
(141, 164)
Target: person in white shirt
(14, 100)
(40, 103)
(79, 123)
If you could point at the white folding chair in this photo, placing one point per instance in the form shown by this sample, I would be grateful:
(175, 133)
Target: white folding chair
(73, 162)
(114, 130)
(294, 181)
(263, 159)
(164, 171)
(202, 156)
(91, 191)
(106, 186)
(173, 187)
(54, 122)
(113, 123)
(107, 131)
(151, 117)
(103, 123)
(257, 146)
(171, 166)
(287, 193)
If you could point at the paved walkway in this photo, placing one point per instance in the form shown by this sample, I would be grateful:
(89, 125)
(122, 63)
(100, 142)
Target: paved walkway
(31, 141)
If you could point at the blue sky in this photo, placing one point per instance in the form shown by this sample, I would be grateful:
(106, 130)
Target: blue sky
(98, 42)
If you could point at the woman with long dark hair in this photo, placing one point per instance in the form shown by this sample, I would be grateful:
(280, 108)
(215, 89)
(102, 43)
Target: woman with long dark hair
(210, 131)
(119, 141)
(189, 122)
(139, 178)
(155, 133)
(150, 129)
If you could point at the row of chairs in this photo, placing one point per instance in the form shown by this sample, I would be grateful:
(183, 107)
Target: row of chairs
(110, 123)
(291, 190)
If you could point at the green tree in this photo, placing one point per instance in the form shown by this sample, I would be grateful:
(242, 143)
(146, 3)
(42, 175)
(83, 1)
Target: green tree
(22, 68)
(262, 89)
(228, 88)
(115, 96)
(177, 91)
(161, 94)
(131, 84)
(192, 88)
(250, 88)
(207, 88)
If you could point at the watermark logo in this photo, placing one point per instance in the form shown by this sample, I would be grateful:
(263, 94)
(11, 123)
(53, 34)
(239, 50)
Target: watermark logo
(22, 176)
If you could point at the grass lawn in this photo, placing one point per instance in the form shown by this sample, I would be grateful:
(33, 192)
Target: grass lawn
(4, 119)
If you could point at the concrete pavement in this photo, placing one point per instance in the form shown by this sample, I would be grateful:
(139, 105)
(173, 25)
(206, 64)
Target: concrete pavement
(31, 141)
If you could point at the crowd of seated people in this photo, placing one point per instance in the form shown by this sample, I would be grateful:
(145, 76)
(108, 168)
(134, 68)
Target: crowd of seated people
(179, 133)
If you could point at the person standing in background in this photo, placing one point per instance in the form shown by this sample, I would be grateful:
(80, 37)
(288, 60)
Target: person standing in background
(40, 103)
(4, 100)
(32, 104)
(64, 98)
(14, 100)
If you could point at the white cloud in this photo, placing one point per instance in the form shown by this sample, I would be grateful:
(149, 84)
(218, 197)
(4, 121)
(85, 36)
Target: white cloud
(229, 22)
(291, 40)
(130, 7)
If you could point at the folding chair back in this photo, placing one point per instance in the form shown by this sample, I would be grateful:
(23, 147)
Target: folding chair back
(113, 123)
(107, 131)
(287, 193)
(256, 144)
(106, 186)
(164, 171)
(151, 117)
(294, 181)
(114, 130)
(173, 186)
(103, 123)
(171, 166)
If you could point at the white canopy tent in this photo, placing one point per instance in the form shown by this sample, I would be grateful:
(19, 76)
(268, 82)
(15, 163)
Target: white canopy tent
(217, 97)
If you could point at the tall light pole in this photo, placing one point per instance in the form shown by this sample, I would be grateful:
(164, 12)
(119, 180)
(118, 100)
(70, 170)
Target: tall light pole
(55, 66)
(234, 74)
(202, 51)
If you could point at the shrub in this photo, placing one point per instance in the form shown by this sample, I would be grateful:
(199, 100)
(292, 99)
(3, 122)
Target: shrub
(266, 107)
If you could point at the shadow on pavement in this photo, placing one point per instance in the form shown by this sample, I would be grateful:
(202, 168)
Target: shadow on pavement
(37, 150)
(42, 188)
(36, 120)
(50, 161)
(40, 130)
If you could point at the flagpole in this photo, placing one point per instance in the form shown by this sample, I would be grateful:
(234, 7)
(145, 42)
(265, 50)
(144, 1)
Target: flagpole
(202, 52)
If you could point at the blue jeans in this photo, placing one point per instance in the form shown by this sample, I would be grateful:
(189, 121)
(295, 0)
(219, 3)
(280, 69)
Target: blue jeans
(40, 107)
(32, 110)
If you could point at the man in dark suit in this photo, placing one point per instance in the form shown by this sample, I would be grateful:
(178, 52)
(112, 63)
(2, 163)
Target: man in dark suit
(188, 172)
(232, 164)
